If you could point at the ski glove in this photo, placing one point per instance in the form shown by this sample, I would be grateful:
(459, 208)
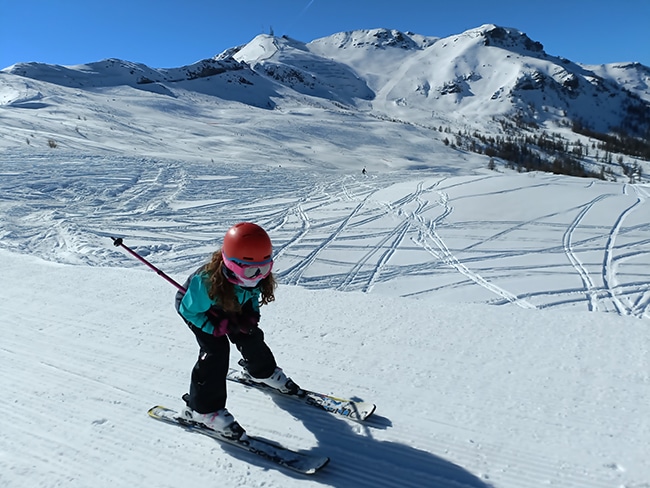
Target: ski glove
(219, 320)
(248, 322)
(233, 323)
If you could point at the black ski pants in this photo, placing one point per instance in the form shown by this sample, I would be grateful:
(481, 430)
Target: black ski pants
(208, 384)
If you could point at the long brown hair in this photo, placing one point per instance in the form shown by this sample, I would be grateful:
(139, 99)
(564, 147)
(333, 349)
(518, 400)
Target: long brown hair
(224, 291)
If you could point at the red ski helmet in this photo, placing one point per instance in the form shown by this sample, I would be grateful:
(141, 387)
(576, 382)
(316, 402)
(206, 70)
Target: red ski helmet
(247, 242)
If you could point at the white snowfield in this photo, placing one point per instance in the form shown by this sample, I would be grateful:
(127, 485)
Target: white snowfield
(499, 321)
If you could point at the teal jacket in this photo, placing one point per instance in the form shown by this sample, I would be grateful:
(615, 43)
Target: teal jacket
(194, 305)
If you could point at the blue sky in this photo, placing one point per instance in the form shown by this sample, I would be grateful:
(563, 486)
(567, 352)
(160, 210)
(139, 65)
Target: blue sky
(165, 33)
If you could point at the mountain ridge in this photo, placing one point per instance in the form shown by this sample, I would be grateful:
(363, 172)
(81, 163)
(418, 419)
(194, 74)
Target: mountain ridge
(480, 81)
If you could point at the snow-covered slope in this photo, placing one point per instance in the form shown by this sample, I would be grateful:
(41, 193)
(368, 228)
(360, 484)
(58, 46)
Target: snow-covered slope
(192, 122)
(633, 76)
(441, 234)
(500, 323)
(468, 397)
(227, 78)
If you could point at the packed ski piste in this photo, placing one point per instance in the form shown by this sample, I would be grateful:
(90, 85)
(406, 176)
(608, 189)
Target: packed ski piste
(220, 304)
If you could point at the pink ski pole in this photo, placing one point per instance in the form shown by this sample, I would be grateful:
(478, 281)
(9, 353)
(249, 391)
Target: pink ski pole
(119, 243)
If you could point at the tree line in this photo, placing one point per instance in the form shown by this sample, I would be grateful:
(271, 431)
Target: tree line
(524, 150)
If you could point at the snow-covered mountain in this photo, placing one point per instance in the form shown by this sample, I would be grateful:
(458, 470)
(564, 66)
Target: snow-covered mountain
(485, 82)
(474, 76)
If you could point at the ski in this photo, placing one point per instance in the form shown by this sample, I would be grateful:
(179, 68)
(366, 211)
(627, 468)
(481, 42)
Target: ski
(295, 461)
(349, 409)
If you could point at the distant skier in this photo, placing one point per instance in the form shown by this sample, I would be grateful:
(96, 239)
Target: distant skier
(221, 305)
(363, 171)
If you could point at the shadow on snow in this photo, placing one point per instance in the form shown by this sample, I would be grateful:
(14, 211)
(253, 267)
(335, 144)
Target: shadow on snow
(358, 459)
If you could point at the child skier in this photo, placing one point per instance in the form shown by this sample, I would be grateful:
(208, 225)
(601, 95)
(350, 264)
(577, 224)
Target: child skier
(221, 305)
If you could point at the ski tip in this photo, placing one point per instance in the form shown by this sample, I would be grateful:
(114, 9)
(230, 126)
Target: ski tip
(156, 410)
(360, 411)
(318, 466)
(368, 411)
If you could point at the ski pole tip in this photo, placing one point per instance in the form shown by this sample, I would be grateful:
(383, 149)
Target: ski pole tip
(117, 241)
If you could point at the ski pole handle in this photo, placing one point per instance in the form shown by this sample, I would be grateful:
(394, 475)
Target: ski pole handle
(118, 242)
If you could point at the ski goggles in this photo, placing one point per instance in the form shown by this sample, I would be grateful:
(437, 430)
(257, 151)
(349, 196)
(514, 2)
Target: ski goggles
(248, 271)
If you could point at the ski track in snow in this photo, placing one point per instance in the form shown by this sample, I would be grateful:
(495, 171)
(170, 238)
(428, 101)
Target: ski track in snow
(348, 233)
(590, 288)
(610, 278)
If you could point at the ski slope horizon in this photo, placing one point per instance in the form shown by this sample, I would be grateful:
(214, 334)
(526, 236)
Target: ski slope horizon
(498, 320)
